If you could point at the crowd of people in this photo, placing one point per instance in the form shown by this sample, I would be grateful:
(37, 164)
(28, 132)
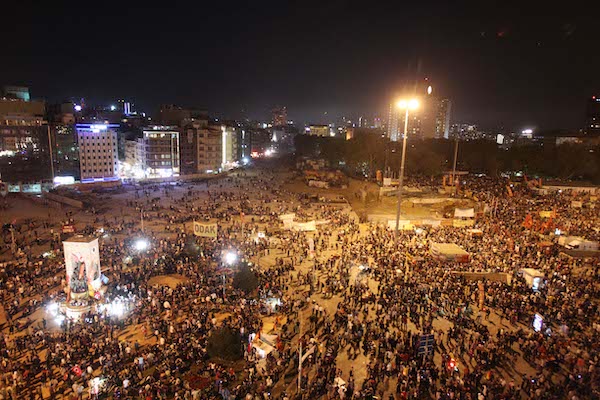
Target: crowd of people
(355, 300)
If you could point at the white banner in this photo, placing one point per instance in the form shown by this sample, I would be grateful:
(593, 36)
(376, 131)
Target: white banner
(319, 184)
(402, 224)
(464, 213)
(432, 222)
(291, 216)
(576, 204)
(205, 229)
(304, 226)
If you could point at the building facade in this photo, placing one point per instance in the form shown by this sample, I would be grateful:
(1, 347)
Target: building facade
(24, 138)
(592, 116)
(279, 116)
(65, 149)
(210, 149)
(98, 158)
(161, 150)
(318, 130)
(442, 120)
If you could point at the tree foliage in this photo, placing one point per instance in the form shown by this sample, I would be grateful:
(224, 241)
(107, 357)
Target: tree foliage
(225, 343)
(365, 154)
(245, 279)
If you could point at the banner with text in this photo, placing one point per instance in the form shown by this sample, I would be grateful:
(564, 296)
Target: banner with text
(461, 223)
(205, 229)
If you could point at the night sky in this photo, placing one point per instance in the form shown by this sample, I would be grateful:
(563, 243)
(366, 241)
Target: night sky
(502, 66)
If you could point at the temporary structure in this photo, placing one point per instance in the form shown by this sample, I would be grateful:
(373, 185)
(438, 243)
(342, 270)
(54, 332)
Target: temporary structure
(449, 252)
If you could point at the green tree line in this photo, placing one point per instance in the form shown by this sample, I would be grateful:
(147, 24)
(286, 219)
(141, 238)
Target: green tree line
(366, 154)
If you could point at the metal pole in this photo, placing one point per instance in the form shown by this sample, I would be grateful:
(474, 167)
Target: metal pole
(385, 164)
(51, 151)
(401, 181)
(223, 287)
(300, 366)
(454, 166)
(13, 245)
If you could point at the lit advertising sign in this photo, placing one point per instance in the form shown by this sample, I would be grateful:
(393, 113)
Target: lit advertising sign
(64, 180)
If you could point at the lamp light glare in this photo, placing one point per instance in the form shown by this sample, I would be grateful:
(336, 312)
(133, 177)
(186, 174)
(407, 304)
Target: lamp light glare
(230, 257)
(141, 244)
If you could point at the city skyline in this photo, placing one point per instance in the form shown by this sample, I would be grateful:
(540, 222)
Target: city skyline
(322, 61)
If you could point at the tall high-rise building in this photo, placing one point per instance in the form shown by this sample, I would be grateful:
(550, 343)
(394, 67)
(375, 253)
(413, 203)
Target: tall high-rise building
(592, 116)
(430, 120)
(98, 158)
(442, 119)
(279, 116)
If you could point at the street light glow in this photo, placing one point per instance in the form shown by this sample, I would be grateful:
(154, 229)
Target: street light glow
(230, 257)
(140, 244)
(411, 104)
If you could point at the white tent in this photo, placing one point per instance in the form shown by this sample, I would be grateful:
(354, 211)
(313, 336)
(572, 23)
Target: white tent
(533, 277)
(464, 212)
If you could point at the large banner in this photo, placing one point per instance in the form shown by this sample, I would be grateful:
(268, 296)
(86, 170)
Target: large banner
(288, 220)
(460, 223)
(305, 226)
(205, 229)
(576, 204)
(82, 262)
(464, 213)
(404, 224)
(432, 222)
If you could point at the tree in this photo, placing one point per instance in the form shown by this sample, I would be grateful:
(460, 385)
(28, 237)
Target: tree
(225, 343)
(245, 279)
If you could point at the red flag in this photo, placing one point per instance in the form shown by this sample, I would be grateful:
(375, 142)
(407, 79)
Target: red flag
(528, 223)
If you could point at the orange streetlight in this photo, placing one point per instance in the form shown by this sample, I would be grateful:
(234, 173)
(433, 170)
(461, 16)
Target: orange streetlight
(405, 104)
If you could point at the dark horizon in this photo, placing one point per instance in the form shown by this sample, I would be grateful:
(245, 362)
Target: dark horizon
(500, 66)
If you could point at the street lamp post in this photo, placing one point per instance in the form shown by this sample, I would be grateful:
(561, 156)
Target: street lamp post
(406, 105)
(454, 166)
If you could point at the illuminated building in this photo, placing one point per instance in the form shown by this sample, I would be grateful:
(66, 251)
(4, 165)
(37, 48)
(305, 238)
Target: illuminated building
(17, 92)
(161, 148)
(229, 147)
(318, 130)
(97, 151)
(24, 137)
(279, 116)
(192, 135)
(135, 158)
(210, 148)
(430, 121)
(442, 119)
(592, 116)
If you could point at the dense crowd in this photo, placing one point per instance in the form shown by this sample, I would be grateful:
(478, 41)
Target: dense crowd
(350, 293)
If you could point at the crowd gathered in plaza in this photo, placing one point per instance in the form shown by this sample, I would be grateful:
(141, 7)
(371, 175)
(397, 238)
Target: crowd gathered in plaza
(355, 299)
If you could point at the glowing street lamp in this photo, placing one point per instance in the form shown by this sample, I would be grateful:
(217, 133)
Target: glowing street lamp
(230, 257)
(141, 245)
(405, 104)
